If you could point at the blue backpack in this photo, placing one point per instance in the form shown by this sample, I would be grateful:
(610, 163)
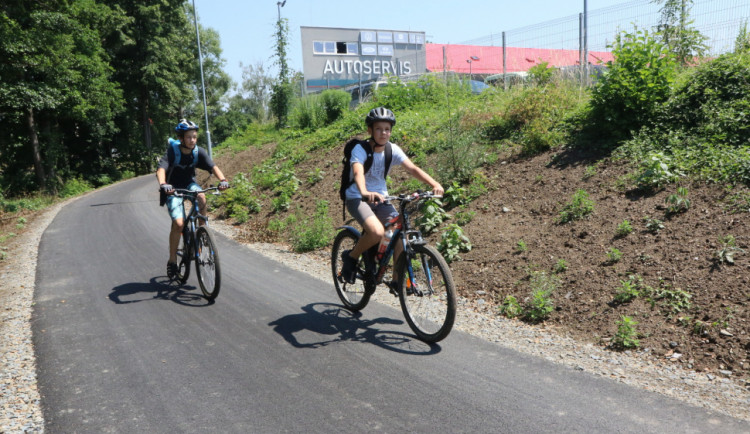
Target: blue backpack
(175, 161)
(175, 144)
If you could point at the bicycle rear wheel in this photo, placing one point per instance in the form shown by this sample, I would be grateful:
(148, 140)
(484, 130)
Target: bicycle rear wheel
(183, 259)
(428, 299)
(355, 296)
(207, 264)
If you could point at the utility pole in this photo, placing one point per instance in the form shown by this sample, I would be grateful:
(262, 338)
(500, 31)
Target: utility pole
(203, 82)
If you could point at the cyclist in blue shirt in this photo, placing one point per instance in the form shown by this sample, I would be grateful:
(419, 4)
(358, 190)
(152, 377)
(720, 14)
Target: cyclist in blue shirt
(364, 198)
(177, 170)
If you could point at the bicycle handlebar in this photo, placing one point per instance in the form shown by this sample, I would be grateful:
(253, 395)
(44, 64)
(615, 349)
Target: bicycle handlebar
(182, 192)
(412, 197)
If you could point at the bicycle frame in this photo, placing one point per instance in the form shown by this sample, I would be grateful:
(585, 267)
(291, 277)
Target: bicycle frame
(193, 216)
(404, 234)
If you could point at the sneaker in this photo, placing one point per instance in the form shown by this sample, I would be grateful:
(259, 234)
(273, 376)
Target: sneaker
(349, 267)
(392, 287)
(172, 270)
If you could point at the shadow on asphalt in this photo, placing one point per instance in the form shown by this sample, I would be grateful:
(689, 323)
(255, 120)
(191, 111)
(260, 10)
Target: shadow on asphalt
(158, 288)
(306, 329)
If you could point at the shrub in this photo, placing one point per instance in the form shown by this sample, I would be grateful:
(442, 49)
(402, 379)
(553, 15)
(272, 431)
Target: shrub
(455, 195)
(727, 250)
(678, 202)
(432, 216)
(560, 266)
(399, 96)
(712, 100)
(540, 304)
(521, 246)
(452, 242)
(701, 129)
(627, 96)
(653, 225)
(463, 218)
(656, 171)
(535, 118)
(623, 229)
(306, 114)
(614, 255)
(541, 73)
(626, 336)
(629, 289)
(314, 232)
(74, 187)
(334, 103)
(579, 207)
(510, 307)
(315, 176)
(239, 201)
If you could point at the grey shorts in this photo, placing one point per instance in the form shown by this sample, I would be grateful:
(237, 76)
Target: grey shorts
(361, 210)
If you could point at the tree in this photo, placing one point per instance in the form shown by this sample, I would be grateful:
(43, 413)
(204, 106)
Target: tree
(675, 31)
(154, 63)
(57, 99)
(281, 97)
(256, 90)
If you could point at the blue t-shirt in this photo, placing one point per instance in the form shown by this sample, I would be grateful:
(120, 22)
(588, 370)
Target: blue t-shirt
(374, 178)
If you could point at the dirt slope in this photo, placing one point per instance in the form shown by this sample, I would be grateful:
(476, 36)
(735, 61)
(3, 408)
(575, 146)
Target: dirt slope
(707, 332)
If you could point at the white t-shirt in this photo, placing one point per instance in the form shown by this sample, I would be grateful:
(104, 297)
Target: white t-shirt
(374, 178)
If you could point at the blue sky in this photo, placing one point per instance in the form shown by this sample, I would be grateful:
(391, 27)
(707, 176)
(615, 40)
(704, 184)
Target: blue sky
(246, 26)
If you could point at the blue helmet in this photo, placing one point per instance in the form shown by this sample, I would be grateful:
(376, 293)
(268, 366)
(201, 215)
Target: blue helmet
(185, 125)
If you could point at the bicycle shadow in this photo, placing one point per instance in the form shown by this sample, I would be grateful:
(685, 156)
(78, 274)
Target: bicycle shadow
(158, 288)
(304, 330)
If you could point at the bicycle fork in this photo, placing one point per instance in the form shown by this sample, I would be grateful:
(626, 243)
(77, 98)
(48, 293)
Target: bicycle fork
(411, 284)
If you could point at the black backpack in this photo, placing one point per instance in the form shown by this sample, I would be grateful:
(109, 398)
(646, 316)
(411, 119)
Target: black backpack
(346, 170)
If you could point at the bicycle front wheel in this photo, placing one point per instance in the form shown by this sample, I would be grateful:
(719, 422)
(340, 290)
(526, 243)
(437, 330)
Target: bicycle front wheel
(207, 264)
(427, 293)
(355, 296)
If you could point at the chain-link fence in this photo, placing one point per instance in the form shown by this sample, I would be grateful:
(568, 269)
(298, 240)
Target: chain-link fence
(565, 42)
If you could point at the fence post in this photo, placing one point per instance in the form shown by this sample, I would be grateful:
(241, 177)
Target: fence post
(505, 78)
(580, 47)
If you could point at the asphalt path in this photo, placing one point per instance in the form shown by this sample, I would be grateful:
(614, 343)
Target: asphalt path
(120, 350)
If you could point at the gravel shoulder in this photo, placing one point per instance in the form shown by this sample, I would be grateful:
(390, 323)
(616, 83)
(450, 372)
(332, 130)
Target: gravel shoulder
(20, 400)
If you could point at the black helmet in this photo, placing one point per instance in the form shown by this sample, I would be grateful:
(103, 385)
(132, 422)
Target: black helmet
(380, 114)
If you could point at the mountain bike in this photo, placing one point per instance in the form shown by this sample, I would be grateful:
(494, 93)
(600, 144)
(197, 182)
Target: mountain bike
(421, 278)
(198, 246)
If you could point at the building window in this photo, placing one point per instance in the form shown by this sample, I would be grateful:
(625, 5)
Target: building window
(330, 47)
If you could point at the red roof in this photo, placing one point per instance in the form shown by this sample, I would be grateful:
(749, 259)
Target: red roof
(491, 58)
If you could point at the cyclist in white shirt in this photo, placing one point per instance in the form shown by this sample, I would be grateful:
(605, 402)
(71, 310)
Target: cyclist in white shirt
(364, 198)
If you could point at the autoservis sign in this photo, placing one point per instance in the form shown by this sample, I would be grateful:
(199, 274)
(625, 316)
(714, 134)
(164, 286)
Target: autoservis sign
(335, 57)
